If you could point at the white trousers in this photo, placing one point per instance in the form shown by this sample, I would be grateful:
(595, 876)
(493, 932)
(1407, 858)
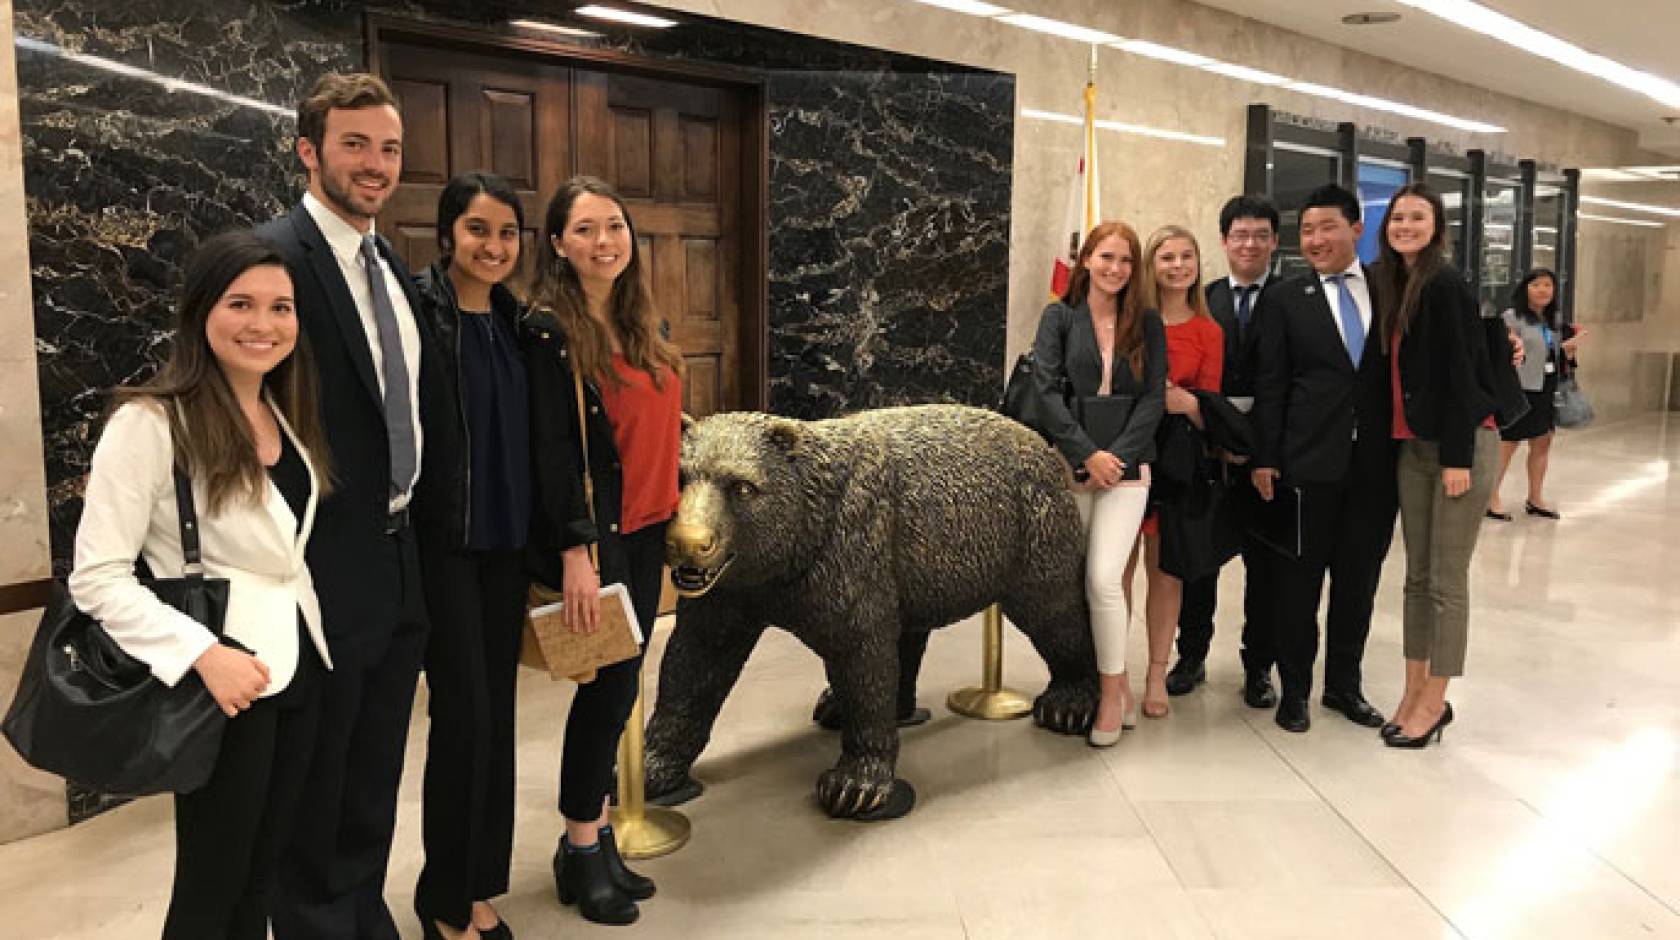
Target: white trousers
(1111, 519)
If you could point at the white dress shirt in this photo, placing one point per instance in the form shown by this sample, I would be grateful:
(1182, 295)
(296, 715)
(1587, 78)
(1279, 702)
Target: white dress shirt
(1361, 290)
(346, 244)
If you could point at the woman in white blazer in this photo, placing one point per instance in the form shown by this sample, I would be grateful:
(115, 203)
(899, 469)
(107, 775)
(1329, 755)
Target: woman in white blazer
(235, 407)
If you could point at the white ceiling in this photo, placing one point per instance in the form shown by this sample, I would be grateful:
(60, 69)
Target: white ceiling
(1643, 34)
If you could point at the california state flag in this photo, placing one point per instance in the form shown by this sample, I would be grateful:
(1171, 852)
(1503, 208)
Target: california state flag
(1084, 205)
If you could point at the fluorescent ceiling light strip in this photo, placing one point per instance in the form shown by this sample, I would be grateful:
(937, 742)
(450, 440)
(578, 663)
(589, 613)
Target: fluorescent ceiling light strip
(147, 75)
(1243, 73)
(1058, 28)
(1393, 107)
(1604, 218)
(971, 7)
(624, 16)
(1153, 50)
(1631, 206)
(1124, 128)
(554, 28)
(1478, 18)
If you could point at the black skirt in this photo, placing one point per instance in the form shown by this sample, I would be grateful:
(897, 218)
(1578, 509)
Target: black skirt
(1539, 421)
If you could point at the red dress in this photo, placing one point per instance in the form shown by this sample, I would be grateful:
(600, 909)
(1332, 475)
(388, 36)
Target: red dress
(1195, 360)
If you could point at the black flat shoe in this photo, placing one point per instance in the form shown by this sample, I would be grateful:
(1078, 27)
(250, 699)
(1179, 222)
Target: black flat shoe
(637, 887)
(582, 878)
(1183, 678)
(1540, 511)
(499, 932)
(1498, 516)
(1422, 741)
(1258, 691)
(1292, 715)
(1354, 707)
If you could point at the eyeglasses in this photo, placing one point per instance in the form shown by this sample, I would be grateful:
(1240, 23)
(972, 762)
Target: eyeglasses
(1249, 238)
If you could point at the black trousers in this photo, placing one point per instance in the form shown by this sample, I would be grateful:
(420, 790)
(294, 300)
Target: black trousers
(1346, 531)
(1201, 598)
(332, 880)
(476, 604)
(229, 833)
(600, 708)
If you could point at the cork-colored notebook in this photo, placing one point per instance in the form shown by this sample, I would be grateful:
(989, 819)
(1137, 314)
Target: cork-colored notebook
(549, 644)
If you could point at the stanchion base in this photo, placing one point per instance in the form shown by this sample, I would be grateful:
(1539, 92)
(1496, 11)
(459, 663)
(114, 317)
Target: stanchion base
(657, 832)
(989, 704)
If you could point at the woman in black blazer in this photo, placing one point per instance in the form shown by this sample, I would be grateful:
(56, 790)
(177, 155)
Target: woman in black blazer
(472, 514)
(1099, 340)
(1444, 402)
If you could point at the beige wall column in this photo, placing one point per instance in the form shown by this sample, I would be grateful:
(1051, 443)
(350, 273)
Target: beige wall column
(30, 801)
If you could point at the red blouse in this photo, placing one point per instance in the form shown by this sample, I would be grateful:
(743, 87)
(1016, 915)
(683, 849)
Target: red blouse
(1196, 354)
(647, 428)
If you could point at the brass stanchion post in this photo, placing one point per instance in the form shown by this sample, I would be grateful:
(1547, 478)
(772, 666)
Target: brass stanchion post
(991, 701)
(642, 831)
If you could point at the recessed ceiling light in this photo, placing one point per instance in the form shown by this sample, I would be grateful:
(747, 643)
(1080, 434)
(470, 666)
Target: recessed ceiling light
(1073, 31)
(555, 28)
(1474, 16)
(1631, 206)
(972, 7)
(1371, 19)
(625, 16)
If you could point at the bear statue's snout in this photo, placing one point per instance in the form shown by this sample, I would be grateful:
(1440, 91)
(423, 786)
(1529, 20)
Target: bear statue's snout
(687, 543)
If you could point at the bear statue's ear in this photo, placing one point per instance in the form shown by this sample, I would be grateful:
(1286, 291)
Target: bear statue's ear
(786, 435)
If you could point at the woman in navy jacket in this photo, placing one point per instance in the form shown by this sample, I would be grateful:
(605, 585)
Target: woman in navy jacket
(1444, 403)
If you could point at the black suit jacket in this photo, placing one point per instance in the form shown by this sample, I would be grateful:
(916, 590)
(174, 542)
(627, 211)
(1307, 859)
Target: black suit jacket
(1310, 401)
(1446, 371)
(1066, 349)
(359, 584)
(1238, 376)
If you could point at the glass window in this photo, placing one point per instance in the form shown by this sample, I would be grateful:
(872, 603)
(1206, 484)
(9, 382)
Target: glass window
(1548, 225)
(1455, 194)
(1378, 182)
(1499, 242)
(1295, 174)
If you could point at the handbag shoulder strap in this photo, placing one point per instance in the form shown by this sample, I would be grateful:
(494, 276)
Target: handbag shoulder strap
(588, 474)
(187, 514)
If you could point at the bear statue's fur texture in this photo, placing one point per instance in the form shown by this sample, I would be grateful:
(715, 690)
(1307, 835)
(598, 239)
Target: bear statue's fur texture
(860, 535)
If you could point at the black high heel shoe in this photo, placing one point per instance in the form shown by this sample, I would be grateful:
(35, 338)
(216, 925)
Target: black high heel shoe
(1422, 741)
(582, 878)
(637, 887)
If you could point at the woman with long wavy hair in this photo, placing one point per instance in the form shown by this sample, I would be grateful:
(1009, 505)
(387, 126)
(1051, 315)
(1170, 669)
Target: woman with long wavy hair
(1099, 340)
(592, 312)
(1444, 403)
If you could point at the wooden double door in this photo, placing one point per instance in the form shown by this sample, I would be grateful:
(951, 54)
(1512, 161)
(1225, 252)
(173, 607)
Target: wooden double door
(680, 152)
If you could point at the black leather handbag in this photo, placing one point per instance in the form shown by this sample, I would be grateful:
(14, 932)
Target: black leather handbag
(89, 712)
(1023, 401)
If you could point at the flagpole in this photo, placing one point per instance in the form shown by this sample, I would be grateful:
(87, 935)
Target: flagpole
(1091, 210)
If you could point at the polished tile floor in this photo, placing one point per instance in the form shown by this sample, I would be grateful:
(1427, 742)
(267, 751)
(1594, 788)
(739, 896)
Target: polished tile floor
(1551, 810)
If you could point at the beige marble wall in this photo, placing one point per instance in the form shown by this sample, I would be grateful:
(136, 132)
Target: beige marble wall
(30, 801)
(1149, 181)
(1628, 300)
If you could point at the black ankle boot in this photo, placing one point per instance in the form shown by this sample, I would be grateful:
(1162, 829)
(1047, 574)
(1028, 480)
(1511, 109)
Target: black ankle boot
(582, 878)
(637, 887)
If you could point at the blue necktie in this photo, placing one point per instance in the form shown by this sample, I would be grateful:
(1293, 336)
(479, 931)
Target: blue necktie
(1353, 328)
(1245, 306)
(399, 413)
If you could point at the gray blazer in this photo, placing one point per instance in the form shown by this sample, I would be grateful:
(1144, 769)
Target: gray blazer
(1066, 348)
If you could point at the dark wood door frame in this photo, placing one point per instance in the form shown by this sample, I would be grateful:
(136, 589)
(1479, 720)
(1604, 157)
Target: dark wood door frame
(754, 329)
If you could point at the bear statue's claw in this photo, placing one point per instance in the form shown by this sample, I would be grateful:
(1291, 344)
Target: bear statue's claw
(674, 794)
(832, 717)
(1066, 709)
(845, 794)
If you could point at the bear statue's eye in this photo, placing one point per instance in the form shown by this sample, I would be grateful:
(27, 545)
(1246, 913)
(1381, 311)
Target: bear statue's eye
(744, 490)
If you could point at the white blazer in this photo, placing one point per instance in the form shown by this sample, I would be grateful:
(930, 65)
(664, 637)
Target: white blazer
(130, 510)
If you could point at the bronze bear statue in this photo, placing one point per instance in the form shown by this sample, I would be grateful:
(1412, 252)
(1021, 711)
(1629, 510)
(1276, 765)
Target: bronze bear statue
(859, 536)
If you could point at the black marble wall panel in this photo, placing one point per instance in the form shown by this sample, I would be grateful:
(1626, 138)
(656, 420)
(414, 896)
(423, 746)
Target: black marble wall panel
(149, 124)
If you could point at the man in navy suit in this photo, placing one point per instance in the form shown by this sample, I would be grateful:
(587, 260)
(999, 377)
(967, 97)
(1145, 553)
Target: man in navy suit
(355, 304)
(1248, 228)
(1324, 428)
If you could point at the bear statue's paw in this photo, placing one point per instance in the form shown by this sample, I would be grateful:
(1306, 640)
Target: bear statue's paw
(669, 785)
(831, 715)
(864, 795)
(1066, 708)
